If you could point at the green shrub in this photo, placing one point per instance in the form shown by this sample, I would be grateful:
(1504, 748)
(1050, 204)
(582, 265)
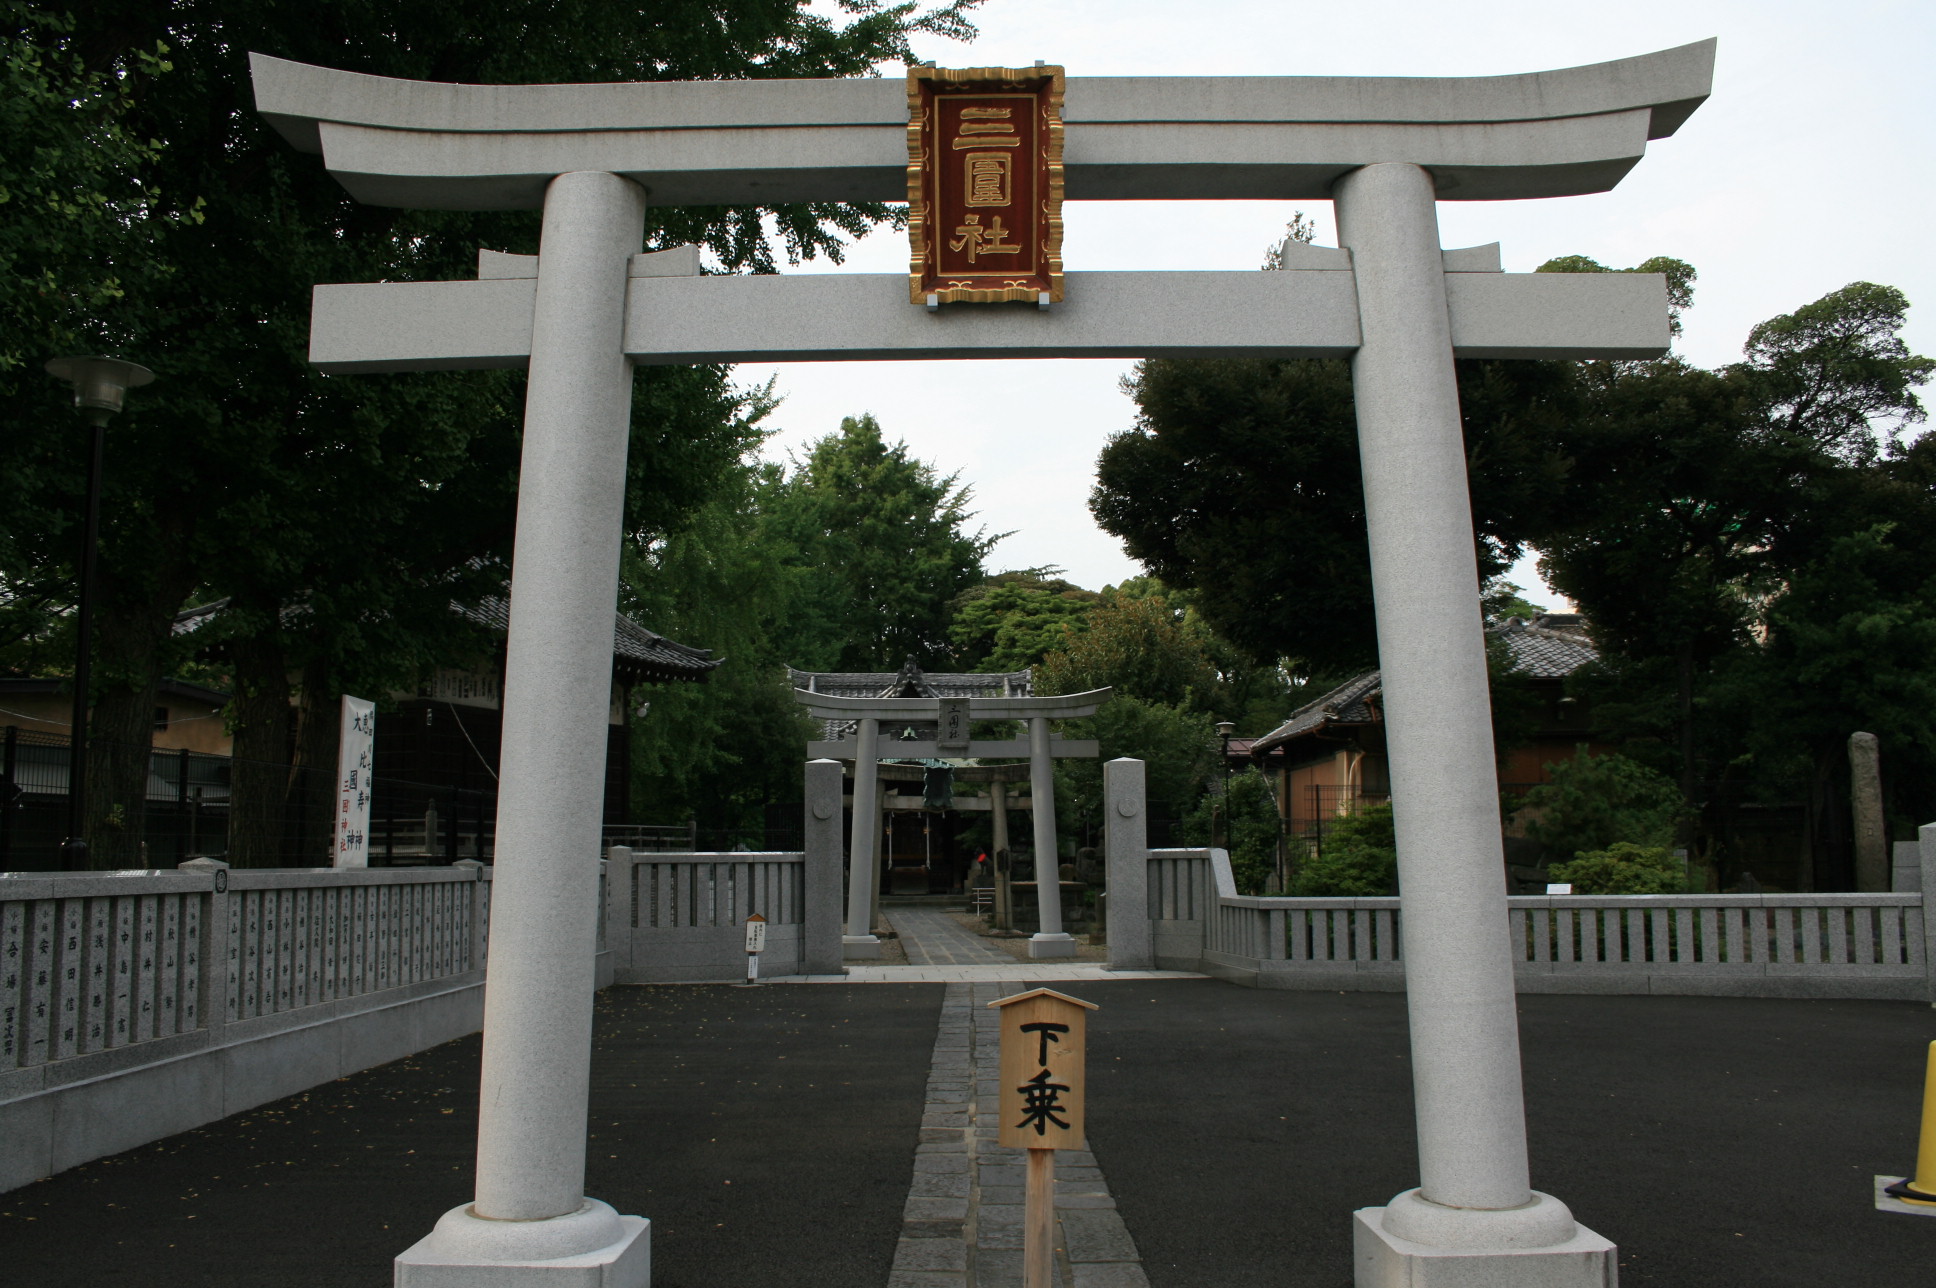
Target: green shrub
(1359, 858)
(1623, 868)
(1595, 801)
(1251, 829)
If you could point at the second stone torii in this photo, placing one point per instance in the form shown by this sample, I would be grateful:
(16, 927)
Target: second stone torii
(954, 719)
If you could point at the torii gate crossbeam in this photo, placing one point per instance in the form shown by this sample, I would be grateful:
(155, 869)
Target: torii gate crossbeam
(590, 307)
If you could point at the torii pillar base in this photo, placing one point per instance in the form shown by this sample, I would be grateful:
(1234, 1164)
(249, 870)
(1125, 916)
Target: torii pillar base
(1043, 945)
(860, 948)
(469, 1251)
(1385, 1260)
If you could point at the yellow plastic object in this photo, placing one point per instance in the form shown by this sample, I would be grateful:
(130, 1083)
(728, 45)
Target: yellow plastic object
(1920, 1189)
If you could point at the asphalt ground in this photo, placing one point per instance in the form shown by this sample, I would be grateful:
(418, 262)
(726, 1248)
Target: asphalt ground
(769, 1134)
(1719, 1142)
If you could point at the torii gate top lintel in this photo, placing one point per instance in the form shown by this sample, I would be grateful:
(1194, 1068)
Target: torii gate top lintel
(431, 145)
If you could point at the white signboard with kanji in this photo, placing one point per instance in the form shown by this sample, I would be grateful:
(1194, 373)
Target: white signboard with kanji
(355, 758)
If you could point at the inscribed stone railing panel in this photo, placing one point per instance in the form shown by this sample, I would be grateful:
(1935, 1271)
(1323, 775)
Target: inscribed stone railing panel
(94, 961)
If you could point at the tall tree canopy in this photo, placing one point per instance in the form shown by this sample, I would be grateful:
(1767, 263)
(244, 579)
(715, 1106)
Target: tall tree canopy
(881, 550)
(1751, 543)
(340, 516)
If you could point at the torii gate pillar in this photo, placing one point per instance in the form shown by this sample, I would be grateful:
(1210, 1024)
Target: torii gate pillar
(531, 1204)
(1474, 1194)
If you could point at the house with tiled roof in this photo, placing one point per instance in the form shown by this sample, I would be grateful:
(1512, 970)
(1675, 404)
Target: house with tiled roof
(1328, 758)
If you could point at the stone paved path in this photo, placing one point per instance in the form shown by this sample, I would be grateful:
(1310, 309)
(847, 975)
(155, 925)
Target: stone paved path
(962, 1226)
(934, 938)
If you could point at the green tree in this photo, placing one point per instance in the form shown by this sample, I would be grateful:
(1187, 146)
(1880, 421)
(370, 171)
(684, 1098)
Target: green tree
(1623, 868)
(1358, 858)
(1244, 820)
(1178, 748)
(1240, 482)
(244, 474)
(1595, 801)
(1014, 619)
(1136, 641)
(720, 751)
(1696, 498)
(880, 552)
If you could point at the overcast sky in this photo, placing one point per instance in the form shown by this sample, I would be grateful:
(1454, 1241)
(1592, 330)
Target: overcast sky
(1809, 168)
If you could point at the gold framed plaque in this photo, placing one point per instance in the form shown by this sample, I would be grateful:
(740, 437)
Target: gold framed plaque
(984, 184)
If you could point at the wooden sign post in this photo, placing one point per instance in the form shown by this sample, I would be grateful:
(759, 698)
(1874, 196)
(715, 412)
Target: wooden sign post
(755, 945)
(1043, 1094)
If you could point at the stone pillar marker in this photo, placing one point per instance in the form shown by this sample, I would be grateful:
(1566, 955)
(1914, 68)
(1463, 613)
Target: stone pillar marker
(1865, 812)
(1049, 940)
(1475, 1196)
(531, 1211)
(863, 863)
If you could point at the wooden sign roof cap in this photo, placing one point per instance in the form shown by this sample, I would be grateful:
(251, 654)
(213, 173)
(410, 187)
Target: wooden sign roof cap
(1043, 992)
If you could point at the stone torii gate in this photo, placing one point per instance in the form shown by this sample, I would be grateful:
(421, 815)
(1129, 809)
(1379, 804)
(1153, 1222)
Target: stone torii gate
(953, 719)
(589, 306)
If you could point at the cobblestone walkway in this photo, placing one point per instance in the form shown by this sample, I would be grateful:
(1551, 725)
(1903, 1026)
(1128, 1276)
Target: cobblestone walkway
(934, 938)
(962, 1227)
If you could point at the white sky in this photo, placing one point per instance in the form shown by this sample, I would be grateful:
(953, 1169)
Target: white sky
(1809, 168)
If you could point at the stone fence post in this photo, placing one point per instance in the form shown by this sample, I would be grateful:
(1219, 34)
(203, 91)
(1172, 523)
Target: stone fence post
(820, 942)
(619, 876)
(214, 947)
(1126, 854)
(1926, 834)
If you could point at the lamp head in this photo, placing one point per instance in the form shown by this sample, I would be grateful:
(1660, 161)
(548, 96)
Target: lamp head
(99, 383)
(1226, 728)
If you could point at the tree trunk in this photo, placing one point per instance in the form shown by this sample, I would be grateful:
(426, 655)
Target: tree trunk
(312, 794)
(259, 772)
(1685, 706)
(130, 646)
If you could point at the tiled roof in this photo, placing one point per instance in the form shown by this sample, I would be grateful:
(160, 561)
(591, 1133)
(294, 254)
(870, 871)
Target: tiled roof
(912, 681)
(908, 682)
(637, 653)
(1348, 704)
(1547, 647)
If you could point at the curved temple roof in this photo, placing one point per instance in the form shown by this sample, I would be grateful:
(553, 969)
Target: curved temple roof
(433, 145)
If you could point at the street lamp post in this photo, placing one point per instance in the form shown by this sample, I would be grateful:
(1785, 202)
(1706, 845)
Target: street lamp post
(1224, 729)
(99, 386)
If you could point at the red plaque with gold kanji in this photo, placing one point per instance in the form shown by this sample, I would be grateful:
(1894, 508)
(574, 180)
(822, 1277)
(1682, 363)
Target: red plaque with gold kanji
(985, 184)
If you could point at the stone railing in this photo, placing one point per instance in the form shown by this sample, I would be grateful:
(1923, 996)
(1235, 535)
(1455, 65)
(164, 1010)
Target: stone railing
(138, 1004)
(1766, 945)
(682, 917)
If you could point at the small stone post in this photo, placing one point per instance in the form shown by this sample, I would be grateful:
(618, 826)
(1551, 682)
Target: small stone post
(1126, 853)
(863, 863)
(1865, 810)
(1049, 940)
(1475, 1196)
(820, 920)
